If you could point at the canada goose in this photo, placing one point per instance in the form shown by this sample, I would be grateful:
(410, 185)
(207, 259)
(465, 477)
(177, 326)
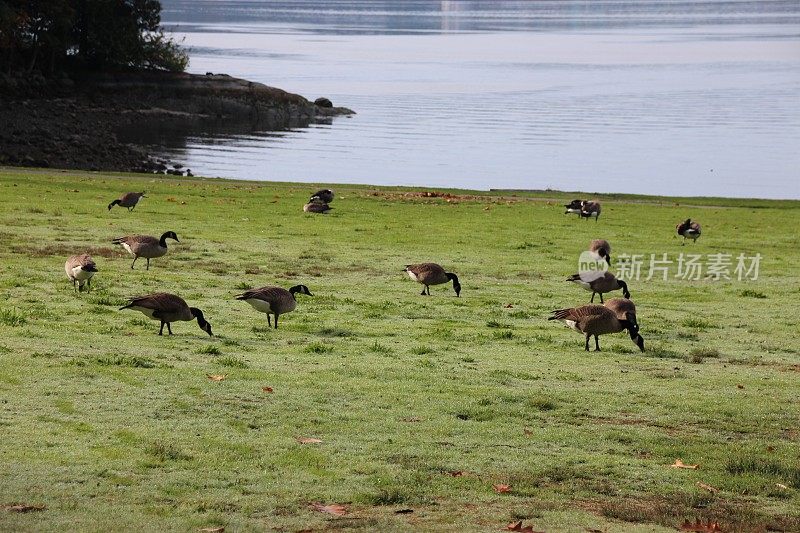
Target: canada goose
(273, 300)
(432, 274)
(688, 229)
(622, 307)
(146, 246)
(600, 284)
(590, 209)
(601, 248)
(596, 320)
(326, 195)
(80, 269)
(129, 200)
(574, 207)
(167, 308)
(316, 205)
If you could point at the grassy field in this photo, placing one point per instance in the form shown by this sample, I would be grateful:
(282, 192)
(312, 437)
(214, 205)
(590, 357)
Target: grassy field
(420, 403)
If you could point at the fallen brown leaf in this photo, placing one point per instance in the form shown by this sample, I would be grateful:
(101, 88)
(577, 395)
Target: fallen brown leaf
(508, 306)
(680, 464)
(739, 386)
(457, 473)
(501, 488)
(217, 377)
(527, 431)
(266, 389)
(700, 527)
(334, 508)
(709, 488)
(517, 526)
(25, 508)
(308, 440)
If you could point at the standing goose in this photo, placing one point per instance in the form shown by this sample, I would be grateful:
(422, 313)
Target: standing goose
(432, 274)
(600, 284)
(80, 269)
(596, 320)
(601, 248)
(590, 209)
(688, 230)
(167, 308)
(325, 195)
(273, 300)
(146, 246)
(129, 200)
(574, 207)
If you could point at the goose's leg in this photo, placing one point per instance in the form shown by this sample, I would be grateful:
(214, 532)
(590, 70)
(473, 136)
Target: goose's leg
(169, 328)
(601, 296)
(74, 286)
(596, 344)
(89, 285)
(135, 257)
(428, 288)
(423, 291)
(276, 320)
(592, 300)
(161, 330)
(587, 341)
(148, 263)
(269, 320)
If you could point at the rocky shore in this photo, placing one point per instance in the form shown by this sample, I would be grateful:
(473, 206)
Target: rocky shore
(104, 122)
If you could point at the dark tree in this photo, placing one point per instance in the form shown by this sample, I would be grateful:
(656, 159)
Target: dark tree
(52, 35)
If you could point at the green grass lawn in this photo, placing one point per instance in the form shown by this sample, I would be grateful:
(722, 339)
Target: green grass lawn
(111, 427)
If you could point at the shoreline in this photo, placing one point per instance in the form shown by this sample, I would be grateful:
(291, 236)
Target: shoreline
(437, 194)
(106, 122)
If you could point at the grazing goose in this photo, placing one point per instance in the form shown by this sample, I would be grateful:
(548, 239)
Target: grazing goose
(432, 274)
(167, 308)
(325, 195)
(129, 200)
(600, 284)
(601, 248)
(273, 300)
(146, 246)
(80, 269)
(590, 209)
(688, 229)
(596, 320)
(574, 207)
(316, 205)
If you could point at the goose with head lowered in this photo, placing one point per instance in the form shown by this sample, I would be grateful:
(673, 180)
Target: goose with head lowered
(432, 274)
(80, 270)
(600, 283)
(167, 308)
(129, 200)
(273, 300)
(596, 320)
(146, 246)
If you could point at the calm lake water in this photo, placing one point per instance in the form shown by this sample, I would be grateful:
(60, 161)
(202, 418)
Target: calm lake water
(670, 97)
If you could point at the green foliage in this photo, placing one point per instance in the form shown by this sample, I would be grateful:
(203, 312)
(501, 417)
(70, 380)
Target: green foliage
(89, 34)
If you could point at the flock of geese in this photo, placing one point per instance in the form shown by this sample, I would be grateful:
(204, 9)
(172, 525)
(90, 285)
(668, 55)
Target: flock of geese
(611, 316)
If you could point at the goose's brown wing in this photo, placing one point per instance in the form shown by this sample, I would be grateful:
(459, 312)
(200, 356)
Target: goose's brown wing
(163, 302)
(428, 273)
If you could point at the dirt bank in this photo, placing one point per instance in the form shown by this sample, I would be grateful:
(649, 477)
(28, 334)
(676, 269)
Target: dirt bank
(90, 122)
